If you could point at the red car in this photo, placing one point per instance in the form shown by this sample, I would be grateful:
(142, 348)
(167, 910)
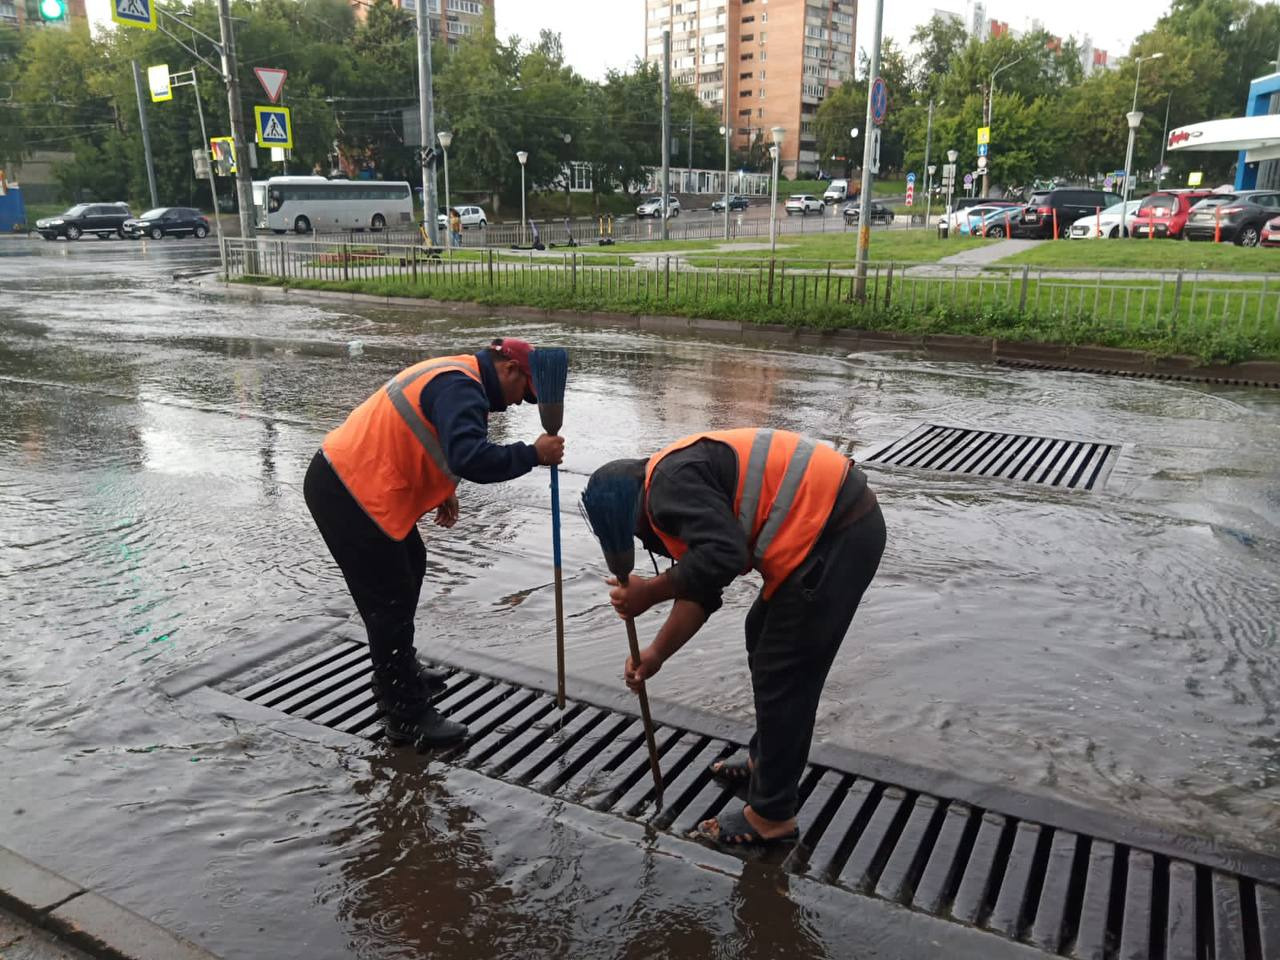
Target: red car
(1164, 214)
(1271, 233)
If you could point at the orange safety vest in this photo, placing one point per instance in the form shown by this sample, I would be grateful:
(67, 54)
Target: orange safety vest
(388, 454)
(785, 494)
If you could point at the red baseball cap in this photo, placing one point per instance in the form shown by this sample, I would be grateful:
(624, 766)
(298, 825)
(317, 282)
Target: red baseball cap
(518, 350)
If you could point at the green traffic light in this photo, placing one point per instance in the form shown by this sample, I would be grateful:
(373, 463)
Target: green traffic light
(52, 9)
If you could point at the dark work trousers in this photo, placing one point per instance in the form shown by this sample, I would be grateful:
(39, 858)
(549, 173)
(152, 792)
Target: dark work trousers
(792, 640)
(383, 575)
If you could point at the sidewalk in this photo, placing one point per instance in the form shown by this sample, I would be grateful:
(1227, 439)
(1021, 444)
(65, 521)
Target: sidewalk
(46, 917)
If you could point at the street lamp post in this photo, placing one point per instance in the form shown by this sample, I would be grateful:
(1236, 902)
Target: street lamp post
(446, 137)
(1164, 140)
(1134, 117)
(776, 149)
(522, 156)
(724, 131)
(928, 180)
(952, 157)
(991, 106)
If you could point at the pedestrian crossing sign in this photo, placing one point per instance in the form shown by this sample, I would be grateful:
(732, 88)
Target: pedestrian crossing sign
(134, 13)
(274, 128)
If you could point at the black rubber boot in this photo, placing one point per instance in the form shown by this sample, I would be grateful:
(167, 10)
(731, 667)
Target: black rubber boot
(407, 713)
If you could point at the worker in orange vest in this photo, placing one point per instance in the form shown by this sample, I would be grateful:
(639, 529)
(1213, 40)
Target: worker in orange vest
(399, 456)
(721, 504)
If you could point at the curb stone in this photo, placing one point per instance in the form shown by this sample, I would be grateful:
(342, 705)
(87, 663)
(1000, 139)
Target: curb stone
(100, 927)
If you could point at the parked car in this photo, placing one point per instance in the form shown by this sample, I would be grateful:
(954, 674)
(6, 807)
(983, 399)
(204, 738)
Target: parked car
(167, 222)
(653, 207)
(736, 202)
(472, 217)
(879, 212)
(1237, 217)
(996, 222)
(1111, 223)
(837, 190)
(1271, 233)
(102, 219)
(956, 216)
(1069, 204)
(803, 203)
(1164, 214)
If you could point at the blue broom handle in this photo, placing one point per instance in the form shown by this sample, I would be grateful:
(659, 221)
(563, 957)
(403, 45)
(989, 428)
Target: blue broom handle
(555, 515)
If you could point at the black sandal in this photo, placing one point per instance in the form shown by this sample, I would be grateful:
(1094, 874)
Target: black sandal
(734, 830)
(733, 772)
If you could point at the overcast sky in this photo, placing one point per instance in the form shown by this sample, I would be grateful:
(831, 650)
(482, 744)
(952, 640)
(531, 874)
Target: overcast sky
(600, 34)
(603, 34)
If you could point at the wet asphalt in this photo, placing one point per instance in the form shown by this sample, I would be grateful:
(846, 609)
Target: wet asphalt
(1116, 649)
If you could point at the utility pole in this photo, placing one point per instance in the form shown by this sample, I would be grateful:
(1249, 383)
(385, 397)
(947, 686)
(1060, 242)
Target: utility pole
(427, 124)
(146, 135)
(690, 167)
(928, 177)
(239, 133)
(868, 148)
(1164, 140)
(666, 127)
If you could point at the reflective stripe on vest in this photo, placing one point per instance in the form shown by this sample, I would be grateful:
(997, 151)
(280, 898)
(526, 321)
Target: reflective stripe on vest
(389, 456)
(808, 477)
(430, 443)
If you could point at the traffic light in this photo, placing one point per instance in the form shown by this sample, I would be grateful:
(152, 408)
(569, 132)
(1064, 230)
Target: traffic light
(53, 9)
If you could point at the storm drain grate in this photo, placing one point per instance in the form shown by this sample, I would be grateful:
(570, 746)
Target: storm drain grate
(1051, 461)
(1063, 892)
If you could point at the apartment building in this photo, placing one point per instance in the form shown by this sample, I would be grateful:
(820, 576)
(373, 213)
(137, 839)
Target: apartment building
(761, 63)
(450, 19)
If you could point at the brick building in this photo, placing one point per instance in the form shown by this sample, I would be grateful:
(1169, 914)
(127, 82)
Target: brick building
(450, 19)
(761, 63)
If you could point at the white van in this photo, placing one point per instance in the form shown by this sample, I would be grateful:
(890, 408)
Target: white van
(837, 190)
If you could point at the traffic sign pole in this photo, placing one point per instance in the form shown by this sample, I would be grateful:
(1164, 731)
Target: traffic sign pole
(146, 134)
(868, 144)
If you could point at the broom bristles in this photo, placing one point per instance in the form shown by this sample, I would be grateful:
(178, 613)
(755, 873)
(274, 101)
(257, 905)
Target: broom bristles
(550, 368)
(611, 504)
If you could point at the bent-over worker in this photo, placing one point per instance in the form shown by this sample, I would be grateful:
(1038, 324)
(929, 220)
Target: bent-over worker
(398, 456)
(726, 502)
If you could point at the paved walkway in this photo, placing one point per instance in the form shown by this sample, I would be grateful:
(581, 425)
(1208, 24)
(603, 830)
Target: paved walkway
(987, 254)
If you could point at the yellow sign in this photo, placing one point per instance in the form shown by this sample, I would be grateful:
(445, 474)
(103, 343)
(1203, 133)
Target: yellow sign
(1195, 179)
(984, 135)
(224, 155)
(134, 13)
(274, 127)
(158, 81)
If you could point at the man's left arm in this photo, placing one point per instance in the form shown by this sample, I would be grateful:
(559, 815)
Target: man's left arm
(460, 411)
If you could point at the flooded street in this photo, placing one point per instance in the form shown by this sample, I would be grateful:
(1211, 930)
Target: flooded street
(1116, 649)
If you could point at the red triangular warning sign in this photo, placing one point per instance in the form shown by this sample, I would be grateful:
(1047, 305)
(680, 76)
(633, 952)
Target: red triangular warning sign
(272, 81)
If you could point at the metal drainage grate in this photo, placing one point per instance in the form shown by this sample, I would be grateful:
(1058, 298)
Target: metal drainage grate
(1052, 461)
(1139, 374)
(1064, 892)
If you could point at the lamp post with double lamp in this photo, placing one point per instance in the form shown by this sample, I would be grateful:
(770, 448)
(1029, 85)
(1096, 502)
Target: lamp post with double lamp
(775, 150)
(1134, 118)
(991, 107)
(522, 156)
(724, 132)
(446, 138)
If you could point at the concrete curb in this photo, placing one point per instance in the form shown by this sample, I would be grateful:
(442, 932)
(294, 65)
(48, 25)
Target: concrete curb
(83, 919)
(1047, 356)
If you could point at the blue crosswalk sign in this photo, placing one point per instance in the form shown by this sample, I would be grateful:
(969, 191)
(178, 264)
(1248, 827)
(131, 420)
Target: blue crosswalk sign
(273, 126)
(982, 149)
(134, 13)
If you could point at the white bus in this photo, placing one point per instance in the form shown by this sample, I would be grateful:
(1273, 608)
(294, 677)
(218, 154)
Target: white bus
(307, 204)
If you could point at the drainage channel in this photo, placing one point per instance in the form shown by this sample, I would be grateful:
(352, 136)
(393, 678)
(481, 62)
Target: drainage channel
(868, 827)
(1048, 461)
(1138, 374)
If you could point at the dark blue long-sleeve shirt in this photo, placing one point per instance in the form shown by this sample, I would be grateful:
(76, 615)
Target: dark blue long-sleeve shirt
(459, 408)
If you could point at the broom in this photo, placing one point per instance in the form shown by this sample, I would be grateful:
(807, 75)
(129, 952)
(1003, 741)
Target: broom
(550, 368)
(611, 504)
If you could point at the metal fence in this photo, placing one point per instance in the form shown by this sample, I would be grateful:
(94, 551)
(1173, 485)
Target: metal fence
(586, 231)
(1013, 297)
